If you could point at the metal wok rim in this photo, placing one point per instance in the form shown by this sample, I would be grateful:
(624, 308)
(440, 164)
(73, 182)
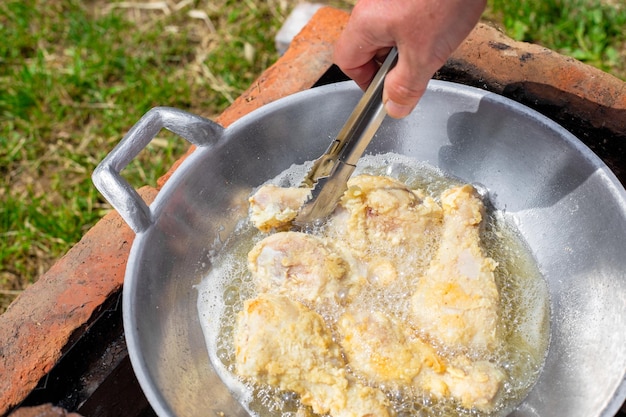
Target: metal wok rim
(140, 367)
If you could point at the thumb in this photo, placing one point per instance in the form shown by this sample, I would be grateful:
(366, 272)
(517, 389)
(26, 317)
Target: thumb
(404, 85)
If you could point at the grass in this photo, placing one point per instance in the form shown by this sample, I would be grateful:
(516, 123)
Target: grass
(75, 75)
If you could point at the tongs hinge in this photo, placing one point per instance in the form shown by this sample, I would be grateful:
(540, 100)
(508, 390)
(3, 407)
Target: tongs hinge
(330, 173)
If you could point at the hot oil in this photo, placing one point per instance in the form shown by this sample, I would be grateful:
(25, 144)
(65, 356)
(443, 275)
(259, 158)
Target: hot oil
(525, 307)
(524, 324)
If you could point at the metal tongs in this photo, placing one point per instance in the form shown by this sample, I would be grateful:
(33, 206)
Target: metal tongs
(330, 172)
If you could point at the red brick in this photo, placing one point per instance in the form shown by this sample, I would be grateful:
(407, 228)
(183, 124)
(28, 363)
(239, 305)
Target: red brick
(503, 65)
(38, 324)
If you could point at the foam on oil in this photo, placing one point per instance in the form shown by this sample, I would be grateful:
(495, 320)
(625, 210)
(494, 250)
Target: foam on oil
(524, 323)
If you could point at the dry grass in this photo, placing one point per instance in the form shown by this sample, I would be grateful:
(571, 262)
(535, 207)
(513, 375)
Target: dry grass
(75, 75)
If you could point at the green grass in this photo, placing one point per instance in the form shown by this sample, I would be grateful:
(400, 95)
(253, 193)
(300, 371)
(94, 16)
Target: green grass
(589, 30)
(76, 75)
(74, 79)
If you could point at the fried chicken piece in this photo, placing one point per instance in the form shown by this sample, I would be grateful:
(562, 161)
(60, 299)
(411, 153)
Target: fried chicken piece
(384, 211)
(302, 267)
(456, 301)
(474, 384)
(381, 350)
(273, 207)
(385, 350)
(283, 343)
(387, 224)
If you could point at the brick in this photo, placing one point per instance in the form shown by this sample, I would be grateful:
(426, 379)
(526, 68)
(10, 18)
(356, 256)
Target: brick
(505, 66)
(38, 324)
(588, 102)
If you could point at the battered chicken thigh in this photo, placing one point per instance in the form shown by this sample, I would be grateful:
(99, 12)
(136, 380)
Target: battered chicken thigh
(456, 301)
(383, 216)
(283, 343)
(380, 349)
(301, 266)
(385, 350)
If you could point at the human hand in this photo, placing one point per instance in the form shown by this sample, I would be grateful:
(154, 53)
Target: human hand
(425, 32)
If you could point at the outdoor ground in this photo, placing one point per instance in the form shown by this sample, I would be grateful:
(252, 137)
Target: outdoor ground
(76, 75)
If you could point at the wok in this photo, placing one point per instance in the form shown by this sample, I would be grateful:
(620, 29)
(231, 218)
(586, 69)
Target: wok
(567, 205)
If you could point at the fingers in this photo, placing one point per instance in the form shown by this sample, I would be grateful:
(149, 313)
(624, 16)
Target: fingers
(425, 33)
(356, 57)
(362, 74)
(404, 86)
(362, 45)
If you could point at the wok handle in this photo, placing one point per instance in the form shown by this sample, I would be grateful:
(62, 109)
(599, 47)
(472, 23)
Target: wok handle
(116, 190)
